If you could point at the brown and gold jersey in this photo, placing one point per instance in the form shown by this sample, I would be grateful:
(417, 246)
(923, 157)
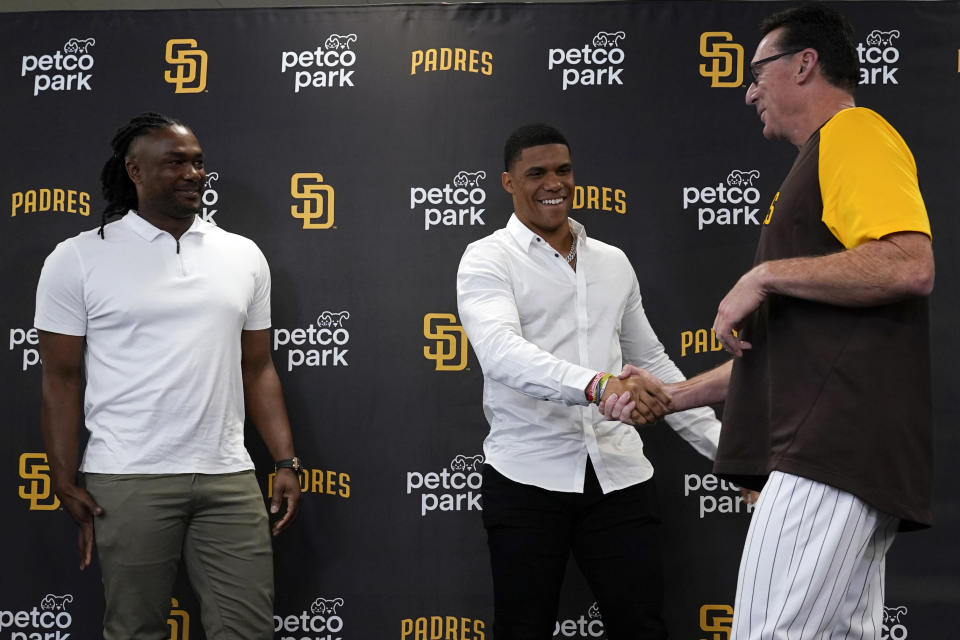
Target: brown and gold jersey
(840, 395)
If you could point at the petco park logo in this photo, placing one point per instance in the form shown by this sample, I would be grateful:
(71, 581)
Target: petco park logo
(893, 627)
(460, 484)
(725, 57)
(716, 620)
(315, 207)
(449, 349)
(26, 340)
(738, 189)
(590, 65)
(69, 67)
(326, 66)
(457, 203)
(328, 333)
(703, 487)
(51, 621)
(586, 626)
(210, 198)
(37, 487)
(876, 57)
(322, 622)
(189, 62)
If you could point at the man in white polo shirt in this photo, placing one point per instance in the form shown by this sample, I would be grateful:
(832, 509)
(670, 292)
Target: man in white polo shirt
(168, 316)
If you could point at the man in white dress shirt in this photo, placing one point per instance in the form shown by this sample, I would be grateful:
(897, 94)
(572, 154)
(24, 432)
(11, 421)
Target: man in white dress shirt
(550, 313)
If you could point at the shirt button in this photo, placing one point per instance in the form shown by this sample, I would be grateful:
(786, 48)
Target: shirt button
(556, 255)
(538, 239)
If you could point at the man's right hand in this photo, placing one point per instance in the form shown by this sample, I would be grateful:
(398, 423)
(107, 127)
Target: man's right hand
(82, 509)
(635, 397)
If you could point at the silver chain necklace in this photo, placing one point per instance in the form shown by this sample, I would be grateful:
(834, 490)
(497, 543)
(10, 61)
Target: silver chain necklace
(573, 249)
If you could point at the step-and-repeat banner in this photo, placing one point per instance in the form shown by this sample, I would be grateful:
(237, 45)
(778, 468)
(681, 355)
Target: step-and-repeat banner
(361, 149)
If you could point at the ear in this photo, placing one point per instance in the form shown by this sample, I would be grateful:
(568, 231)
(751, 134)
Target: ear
(809, 59)
(507, 181)
(133, 171)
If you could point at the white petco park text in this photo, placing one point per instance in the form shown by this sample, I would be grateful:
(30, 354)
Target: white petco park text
(445, 479)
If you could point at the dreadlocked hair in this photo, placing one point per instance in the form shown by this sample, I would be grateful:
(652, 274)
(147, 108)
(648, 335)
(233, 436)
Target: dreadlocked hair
(118, 190)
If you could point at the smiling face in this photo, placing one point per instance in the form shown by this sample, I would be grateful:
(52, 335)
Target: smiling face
(541, 183)
(772, 92)
(166, 165)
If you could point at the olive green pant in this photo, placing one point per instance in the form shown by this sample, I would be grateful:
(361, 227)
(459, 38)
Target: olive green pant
(216, 523)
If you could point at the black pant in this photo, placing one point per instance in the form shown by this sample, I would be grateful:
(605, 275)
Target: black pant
(614, 538)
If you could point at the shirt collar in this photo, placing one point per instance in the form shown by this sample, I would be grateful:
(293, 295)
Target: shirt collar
(525, 237)
(148, 232)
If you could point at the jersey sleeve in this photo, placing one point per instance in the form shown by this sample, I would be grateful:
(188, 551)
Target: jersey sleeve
(60, 301)
(868, 180)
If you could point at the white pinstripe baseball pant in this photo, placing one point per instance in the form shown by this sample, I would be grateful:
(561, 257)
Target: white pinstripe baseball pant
(812, 565)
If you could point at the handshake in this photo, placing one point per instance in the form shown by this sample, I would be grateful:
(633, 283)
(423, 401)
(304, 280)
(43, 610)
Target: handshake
(636, 397)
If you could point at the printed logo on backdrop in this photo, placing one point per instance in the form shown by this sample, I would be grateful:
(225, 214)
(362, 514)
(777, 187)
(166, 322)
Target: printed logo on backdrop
(25, 340)
(322, 620)
(315, 207)
(327, 66)
(587, 626)
(319, 481)
(449, 342)
(50, 199)
(697, 341)
(37, 486)
(596, 63)
(453, 488)
(451, 59)
(714, 495)
(716, 621)
(729, 202)
(210, 198)
(442, 627)
(188, 72)
(66, 69)
(48, 620)
(455, 204)
(877, 54)
(179, 622)
(725, 59)
(324, 342)
(592, 198)
(893, 627)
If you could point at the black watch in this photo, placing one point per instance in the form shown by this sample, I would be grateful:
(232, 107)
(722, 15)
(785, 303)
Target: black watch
(294, 464)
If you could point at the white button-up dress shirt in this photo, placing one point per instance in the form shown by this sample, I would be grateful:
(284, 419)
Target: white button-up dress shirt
(541, 331)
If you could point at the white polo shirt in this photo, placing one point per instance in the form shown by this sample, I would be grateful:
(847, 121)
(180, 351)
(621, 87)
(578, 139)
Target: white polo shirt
(162, 321)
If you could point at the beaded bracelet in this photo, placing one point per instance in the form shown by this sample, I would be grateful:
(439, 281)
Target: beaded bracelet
(592, 387)
(601, 386)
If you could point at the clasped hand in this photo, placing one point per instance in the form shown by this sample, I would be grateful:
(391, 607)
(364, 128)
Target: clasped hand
(635, 397)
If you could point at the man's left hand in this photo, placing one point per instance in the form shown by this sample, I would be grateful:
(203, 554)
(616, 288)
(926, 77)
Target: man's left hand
(745, 297)
(286, 488)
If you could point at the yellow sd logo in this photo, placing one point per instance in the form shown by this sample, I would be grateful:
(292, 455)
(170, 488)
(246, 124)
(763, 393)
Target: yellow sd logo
(450, 341)
(716, 619)
(317, 200)
(179, 622)
(189, 73)
(37, 488)
(726, 59)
